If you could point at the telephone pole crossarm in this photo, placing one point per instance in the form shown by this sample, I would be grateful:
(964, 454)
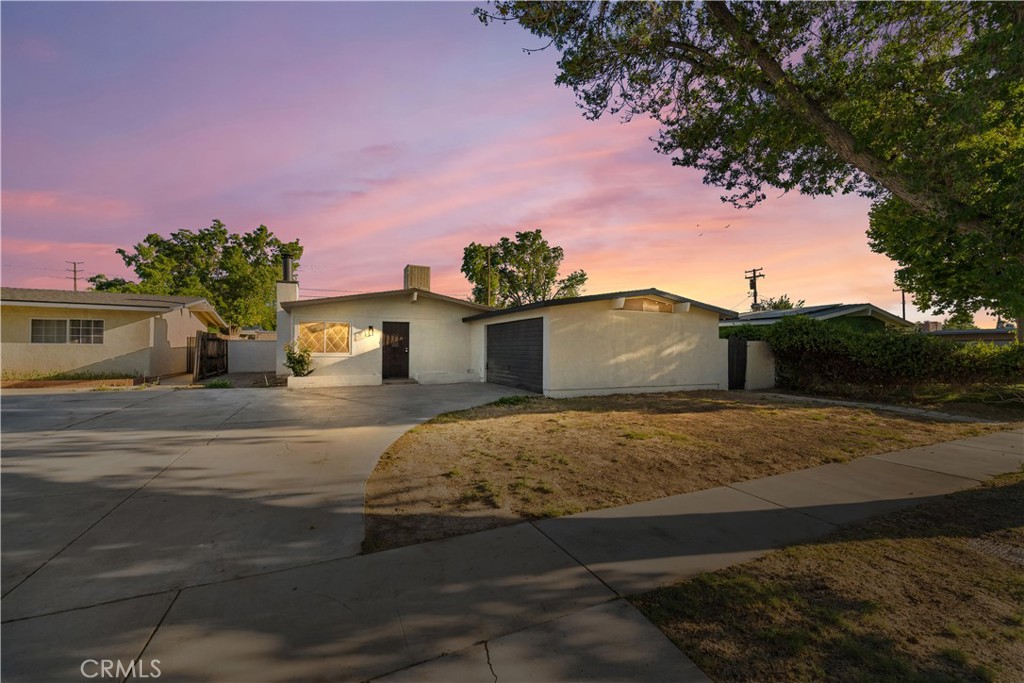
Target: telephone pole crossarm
(752, 276)
(74, 271)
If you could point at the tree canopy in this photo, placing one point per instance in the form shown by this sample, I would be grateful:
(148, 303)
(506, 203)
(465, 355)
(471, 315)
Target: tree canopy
(948, 270)
(918, 106)
(523, 271)
(236, 273)
(962, 319)
(780, 303)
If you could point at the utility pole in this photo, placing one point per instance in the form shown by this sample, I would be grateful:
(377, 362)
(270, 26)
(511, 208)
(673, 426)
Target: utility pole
(903, 298)
(752, 276)
(489, 276)
(74, 269)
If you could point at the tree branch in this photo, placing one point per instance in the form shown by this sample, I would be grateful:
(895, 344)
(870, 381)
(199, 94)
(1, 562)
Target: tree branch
(836, 136)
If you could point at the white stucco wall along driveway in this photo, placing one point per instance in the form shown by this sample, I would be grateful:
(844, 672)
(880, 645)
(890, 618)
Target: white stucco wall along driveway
(107, 496)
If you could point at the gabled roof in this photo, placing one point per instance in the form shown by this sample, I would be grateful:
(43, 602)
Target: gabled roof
(304, 303)
(823, 312)
(722, 312)
(111, 300)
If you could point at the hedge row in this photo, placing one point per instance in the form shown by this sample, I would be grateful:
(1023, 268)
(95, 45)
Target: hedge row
(811, 353)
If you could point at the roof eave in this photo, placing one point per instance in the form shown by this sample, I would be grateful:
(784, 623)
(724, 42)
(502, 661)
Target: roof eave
(651, 292)
(290, 305)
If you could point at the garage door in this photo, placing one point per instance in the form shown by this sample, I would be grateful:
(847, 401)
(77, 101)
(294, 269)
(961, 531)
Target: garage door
(515, 354)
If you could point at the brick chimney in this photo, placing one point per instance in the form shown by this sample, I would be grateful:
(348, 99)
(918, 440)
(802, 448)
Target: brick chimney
(417, 277)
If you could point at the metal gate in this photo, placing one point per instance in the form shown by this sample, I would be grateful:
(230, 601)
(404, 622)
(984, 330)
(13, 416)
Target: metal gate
(737, 363)
(208, 356)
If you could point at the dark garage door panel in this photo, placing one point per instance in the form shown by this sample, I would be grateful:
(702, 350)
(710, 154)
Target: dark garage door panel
(515, 354)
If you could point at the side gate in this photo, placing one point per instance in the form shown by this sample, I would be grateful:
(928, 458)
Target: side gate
(208, 356)
(737, 363)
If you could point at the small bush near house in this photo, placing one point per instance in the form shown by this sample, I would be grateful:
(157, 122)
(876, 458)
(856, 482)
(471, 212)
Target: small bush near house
(219, 384)
(811, 355)
(298, 360)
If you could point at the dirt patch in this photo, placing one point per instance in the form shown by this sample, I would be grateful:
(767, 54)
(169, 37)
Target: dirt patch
(929, 594)
(537, 457)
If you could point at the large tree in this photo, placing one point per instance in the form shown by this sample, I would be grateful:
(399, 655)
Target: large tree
(235, 272)
(523, 271)
(952, 271)
(915, 105)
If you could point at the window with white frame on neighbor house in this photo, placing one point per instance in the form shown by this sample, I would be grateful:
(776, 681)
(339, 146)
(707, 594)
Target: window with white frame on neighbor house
(64, 331)
(324, 337)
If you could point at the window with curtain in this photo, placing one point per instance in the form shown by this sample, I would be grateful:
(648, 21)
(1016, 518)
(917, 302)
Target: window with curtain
(325, 337)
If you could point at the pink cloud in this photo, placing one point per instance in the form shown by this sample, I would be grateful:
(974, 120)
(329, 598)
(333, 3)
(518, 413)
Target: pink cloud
(69, 204)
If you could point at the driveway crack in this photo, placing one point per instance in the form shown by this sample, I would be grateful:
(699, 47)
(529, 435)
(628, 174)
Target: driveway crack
(93, 525)
(490, 666)
(155, 629)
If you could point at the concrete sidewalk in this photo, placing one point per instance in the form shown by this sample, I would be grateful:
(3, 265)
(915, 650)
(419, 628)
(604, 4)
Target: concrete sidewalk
(534, 601)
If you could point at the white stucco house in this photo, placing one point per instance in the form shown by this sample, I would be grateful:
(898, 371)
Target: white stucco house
(48, 330)
(635, 341)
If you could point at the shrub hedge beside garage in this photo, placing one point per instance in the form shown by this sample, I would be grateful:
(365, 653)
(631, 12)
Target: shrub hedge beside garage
(811, 354)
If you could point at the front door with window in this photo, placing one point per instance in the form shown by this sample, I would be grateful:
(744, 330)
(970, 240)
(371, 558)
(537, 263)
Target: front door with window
(395, 347)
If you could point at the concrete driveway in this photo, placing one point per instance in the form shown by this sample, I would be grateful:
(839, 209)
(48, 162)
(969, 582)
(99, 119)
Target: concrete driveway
(111, 495)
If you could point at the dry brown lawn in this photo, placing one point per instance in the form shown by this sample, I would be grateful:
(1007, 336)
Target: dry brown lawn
(934, 593)
(535, 457)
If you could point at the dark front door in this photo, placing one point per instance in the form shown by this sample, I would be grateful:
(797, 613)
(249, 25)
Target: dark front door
(737, 363)
(395, 344)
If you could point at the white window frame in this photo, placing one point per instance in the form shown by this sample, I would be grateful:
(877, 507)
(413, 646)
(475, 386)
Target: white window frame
(31, 335)
(333, 354)
(92, 331)
(67, 331)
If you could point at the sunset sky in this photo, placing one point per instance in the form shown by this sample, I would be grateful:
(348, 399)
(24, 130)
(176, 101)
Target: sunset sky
(378, 135)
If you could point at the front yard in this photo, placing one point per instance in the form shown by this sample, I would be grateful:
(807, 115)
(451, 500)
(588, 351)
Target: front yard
(933, 594)
(523, 458)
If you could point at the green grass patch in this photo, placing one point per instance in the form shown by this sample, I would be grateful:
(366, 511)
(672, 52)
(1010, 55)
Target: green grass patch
(219, 384)
(512, 400)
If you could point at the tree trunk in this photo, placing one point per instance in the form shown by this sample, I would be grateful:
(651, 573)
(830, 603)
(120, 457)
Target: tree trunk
(1020, 329)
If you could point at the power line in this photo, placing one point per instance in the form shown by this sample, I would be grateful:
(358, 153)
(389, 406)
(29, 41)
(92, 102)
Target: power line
(74, 269)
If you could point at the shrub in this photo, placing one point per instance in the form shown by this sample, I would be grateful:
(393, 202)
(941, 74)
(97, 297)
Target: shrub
(298, 360)
(745, 331)
(810, 354)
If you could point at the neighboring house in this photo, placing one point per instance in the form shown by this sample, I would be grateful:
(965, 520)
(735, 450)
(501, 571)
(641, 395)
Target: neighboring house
(998, 336)
(49, 330)
(864, 317)
(643, 340)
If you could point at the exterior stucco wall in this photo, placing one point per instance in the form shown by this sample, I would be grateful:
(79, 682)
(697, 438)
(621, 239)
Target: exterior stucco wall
(127, 342)
(171, 332)
(439, 342)
(760, 366)
(252, 355)
(592, 349)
